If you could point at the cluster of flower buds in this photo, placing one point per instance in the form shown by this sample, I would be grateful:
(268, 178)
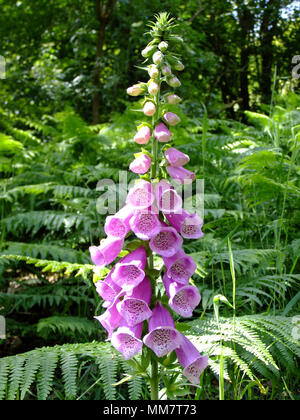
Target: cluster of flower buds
(154, 213)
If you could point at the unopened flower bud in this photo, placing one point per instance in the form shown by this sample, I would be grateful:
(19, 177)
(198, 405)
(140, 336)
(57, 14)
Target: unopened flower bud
(136, 90)
(173, 99)
(163, 46)
(153, 88)
(148, 51)
(171, 118)
(179, 66)
(174, 82)
(149, 109)
(153, 71)
(166, 71)
(143, 135)
(157, 57)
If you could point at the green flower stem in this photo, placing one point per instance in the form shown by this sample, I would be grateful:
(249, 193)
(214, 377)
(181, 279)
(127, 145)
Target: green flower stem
(154, 379)
(155, 119)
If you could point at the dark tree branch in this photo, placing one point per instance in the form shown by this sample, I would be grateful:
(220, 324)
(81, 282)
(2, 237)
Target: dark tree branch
(201, 8)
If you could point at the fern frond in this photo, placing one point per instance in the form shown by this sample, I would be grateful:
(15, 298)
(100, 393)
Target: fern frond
(31, 367)
(64, 324)
(53, 266)
(48, 364)
(33, 221)
(69, 364)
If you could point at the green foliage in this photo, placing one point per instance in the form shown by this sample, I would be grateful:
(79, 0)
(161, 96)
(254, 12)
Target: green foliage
(49, 219)
(255, 344)
(37, 374)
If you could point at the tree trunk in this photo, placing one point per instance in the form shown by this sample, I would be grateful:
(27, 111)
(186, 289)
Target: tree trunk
(104, 13)
(267, 32)
(246, 22)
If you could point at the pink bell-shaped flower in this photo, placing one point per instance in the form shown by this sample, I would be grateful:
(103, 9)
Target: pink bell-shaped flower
(188, 225)
(107, 251)
(140, 195)
(127, 339)
(183, 299)
(134, 308)
(145, 223)
(162, 337)
(167, 242)
(111, 318)
(168, 200)
(129, 271)
(176, 158)
(191, 360)
(118, 225)
(180, 174)
(180, 267)
(141, 164)
(107, 289)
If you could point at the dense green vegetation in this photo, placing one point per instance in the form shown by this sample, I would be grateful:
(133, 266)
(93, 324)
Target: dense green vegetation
(241, 127)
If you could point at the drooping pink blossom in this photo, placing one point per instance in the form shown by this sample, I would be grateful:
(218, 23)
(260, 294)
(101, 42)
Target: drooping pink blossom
(180, 174)
(129, 271)
(191, 360)
(171, 118)
(143, 135)
(183, 299)
(141, 195)
(168, 200)
(176, 158)
(162, 337)
(188, 225)
(145, 223)
(111, 318)
(141, 164)
(107, 251)
(118, 225)
(167, 242)
(127, 339)
(127, 275)
(180, 267)
(162, 133)
(134, 308)
(107, 289)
